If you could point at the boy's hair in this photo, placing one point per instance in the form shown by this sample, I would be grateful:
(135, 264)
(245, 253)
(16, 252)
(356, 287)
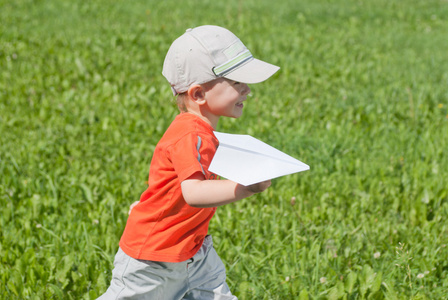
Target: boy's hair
(208, 52)
(181, 99)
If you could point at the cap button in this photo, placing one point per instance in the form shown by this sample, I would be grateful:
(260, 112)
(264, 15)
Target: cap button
(188, 30)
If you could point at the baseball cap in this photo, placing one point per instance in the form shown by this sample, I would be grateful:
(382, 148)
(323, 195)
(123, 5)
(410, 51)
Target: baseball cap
(208, 52)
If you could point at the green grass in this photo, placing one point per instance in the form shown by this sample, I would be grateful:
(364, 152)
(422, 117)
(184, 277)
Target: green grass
(361, 97)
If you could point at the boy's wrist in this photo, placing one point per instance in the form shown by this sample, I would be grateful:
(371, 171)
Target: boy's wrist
(242, 191)
(246, 191)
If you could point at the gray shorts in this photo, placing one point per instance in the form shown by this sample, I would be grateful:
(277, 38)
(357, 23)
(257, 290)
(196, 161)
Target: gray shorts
(201, 277)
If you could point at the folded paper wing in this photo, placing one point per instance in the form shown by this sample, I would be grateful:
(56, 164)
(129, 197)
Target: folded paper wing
(246, 160)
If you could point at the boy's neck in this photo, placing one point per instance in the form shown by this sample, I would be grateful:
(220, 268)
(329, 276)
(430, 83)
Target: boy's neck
(211, 121)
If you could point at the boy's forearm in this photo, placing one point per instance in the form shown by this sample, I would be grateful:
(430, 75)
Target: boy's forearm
(212, 193)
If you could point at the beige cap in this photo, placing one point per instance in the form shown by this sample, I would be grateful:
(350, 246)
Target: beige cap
(205, 53)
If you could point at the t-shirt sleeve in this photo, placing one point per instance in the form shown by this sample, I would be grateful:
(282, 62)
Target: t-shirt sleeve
(190, 155)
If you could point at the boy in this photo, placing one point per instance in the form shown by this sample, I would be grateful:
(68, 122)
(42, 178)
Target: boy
(165, 252)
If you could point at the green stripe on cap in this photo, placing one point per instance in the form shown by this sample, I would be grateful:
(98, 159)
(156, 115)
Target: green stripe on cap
(231, 64)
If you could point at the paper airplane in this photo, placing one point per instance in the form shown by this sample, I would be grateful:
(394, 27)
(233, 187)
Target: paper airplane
(246, 160)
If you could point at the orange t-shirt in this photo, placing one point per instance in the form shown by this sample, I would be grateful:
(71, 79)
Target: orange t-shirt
(162, 226)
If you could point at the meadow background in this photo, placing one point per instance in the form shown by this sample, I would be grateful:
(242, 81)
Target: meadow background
(361, 97)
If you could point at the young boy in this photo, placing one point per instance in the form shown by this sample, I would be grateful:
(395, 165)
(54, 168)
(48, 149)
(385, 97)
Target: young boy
(165, 252)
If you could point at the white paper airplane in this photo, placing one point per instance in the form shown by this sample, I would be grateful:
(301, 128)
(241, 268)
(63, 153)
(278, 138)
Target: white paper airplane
(246, 160)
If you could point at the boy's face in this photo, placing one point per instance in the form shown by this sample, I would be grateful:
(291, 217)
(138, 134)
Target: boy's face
(225, 97)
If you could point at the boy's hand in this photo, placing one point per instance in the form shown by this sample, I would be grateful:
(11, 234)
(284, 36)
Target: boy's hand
(132, 206)
(259, 187)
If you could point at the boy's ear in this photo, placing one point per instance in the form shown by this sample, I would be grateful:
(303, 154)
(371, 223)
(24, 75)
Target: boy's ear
(196, 93)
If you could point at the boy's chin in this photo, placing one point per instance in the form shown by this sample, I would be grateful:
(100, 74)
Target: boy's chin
(238, 114)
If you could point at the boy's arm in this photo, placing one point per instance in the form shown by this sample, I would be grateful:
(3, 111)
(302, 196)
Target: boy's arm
(132, 206)
(199, 192)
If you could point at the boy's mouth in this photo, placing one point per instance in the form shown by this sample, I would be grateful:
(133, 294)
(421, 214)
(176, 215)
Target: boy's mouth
(241, 104)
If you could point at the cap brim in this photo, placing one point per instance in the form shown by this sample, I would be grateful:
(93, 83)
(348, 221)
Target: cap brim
(254, 71)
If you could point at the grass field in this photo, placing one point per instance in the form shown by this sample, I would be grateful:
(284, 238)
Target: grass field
(361, 97)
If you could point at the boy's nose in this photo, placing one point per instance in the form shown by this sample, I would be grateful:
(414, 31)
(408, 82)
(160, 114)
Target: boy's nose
(245, 90)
